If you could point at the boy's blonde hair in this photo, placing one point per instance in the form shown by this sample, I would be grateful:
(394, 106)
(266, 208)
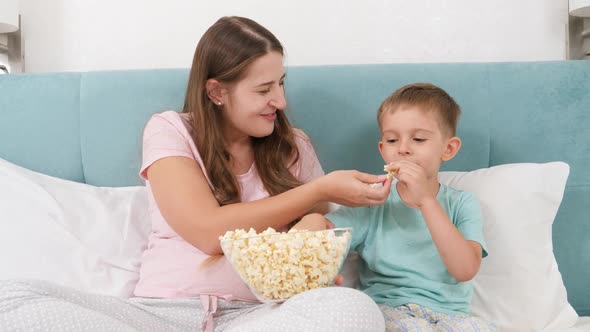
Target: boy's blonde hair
(429, 98)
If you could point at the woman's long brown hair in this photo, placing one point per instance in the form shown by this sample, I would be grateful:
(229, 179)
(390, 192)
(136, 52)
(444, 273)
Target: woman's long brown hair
(224, 53)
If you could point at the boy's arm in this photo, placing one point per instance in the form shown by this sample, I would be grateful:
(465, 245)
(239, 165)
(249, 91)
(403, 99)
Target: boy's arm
(461, 257)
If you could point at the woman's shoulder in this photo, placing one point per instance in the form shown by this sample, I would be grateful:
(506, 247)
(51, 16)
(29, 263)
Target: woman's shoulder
(168, 119)
(303, 142)
(301, 137)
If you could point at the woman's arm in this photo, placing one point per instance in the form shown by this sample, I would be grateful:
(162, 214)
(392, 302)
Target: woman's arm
(321, 208)
(187, 203)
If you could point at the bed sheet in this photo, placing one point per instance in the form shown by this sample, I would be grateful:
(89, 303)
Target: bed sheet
(583, 325)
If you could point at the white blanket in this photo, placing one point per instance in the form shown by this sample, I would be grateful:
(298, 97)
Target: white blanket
(32, 305)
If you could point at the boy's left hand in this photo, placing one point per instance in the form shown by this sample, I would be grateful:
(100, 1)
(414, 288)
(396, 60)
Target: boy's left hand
(412, 186)
(317, 222)
(313, 222)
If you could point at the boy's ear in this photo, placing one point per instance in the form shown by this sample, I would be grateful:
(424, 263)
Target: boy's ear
(453, 146)
(380, 145)
(215, 91)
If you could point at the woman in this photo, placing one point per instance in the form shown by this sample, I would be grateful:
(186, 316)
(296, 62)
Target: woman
(230, 160)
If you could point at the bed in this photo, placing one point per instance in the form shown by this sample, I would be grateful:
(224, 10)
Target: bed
(525, 129)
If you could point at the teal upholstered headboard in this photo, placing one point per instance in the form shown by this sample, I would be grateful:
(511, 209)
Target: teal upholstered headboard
(87, 127)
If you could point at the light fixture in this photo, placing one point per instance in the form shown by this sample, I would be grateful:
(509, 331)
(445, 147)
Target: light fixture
(581, 30)
(9, 25)
(580, 8)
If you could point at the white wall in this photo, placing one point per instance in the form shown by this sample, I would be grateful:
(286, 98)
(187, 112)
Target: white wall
(82, 35)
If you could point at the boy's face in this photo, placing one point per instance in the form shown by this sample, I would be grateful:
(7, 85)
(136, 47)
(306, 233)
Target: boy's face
(411, 134)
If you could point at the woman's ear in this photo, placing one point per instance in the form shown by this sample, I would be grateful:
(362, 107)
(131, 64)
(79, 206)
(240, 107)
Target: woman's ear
(453, 146)
(215, 91)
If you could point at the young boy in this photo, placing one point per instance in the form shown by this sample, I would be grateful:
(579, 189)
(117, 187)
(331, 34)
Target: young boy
(420, 249)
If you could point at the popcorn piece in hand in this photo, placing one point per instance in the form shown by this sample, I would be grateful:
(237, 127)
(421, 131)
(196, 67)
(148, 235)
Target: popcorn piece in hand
(390, 172)
(281, 265)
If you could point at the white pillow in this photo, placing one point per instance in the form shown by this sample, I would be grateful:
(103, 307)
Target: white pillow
(519, 285)
(78, 235)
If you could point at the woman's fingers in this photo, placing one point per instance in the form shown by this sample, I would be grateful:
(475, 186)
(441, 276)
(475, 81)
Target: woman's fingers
(387, 186)
(369, 178)
(378, 195)
(353, 188)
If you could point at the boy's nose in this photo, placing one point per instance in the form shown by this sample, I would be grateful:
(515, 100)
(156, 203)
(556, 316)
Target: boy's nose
(404, 150)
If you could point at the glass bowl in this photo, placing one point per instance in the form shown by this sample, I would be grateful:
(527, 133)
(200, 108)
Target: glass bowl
(278, 266)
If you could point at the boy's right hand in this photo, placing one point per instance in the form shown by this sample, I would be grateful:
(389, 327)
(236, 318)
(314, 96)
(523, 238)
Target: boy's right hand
(413, 185)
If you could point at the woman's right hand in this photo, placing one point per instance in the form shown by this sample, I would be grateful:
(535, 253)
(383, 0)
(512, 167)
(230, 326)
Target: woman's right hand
(353, 188)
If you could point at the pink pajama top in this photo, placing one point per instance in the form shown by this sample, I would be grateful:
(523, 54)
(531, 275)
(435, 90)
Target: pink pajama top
(170, 265)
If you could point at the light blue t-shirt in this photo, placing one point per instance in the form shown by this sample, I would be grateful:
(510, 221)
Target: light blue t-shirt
(399, 262)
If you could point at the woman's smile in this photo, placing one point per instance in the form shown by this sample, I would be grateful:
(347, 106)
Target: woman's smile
(270, 116)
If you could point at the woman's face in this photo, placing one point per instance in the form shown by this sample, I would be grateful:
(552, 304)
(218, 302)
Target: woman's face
(251, 104)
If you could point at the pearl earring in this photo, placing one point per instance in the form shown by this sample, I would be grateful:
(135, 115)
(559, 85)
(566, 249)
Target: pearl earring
(218, 103)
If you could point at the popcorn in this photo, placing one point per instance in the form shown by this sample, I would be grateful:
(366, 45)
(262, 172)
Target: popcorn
(279, 265)
(390, 172)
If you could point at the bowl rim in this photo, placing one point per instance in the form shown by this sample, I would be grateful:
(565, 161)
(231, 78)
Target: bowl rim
(347, 229)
